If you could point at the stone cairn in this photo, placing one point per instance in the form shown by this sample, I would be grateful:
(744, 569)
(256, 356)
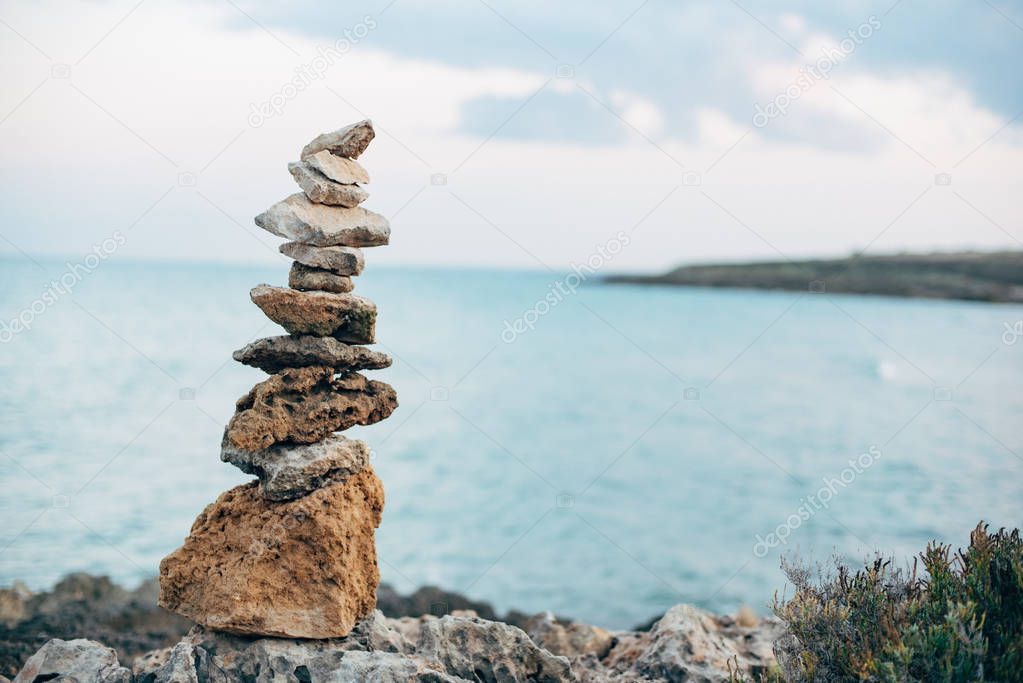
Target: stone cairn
(293, 553)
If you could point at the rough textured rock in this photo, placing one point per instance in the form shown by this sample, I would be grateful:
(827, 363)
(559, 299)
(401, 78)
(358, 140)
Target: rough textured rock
(305, 568)
(338, 260)
(13, 603)
(91, 607)
(338, 168)
(305, 405)
(273, 354)
(454, 649)
(288, 472)
(307, 279)
(476, 649)
(346, 317)
(689, 644)
(74, 660)
(322, 190)
(569, 638)
(297, 218)
(350, 141)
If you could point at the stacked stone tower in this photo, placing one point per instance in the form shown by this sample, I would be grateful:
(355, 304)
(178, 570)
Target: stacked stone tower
(293, 553)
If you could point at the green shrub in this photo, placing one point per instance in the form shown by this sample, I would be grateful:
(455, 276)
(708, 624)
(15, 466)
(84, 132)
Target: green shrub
(959, 619)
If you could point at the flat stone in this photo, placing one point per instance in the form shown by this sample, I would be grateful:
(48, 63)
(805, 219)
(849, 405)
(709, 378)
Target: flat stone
(73, 660)
(306, 278)
(338, 169)
(322, 190)
(303, 569)
(338, 260)
(346, 317)
(273, 354)
(306, 405)
(296, 218)
(289, 472)
(350, 141)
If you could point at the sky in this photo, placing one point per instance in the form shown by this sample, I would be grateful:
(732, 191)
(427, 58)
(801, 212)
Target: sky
(519, 134)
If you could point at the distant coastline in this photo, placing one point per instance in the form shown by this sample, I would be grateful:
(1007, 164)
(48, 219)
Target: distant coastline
(971, 276)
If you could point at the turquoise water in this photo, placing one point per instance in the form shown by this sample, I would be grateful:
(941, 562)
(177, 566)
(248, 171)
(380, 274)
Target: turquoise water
(623, 455)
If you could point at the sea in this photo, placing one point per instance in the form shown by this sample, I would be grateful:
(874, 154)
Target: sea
(600, 451)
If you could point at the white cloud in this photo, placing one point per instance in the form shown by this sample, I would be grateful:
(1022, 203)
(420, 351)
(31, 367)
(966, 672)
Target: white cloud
(84, 156)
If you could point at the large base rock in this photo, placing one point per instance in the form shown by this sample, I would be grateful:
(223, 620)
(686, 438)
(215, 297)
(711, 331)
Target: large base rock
(453, 649)
(305, 405)
(303, 569)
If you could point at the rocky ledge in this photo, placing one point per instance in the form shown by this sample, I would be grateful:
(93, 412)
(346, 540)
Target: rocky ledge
(686, 644)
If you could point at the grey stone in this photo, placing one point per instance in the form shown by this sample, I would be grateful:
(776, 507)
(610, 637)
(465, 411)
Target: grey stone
(296, 218)
(346, 317)
(689, 644)
(306, 278)
(477, 649)
(74, 660)
(350, 141)
(322, 190)
(568, 638)
(338, 260)
(289, 472)
(273, 354)
(338, 169)
(358, 657)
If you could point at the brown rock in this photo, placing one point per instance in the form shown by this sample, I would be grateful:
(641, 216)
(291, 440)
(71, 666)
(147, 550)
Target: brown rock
(274, 354)
(350, 141)
(322, 190)
(346, 317)
(338, 260)
(305, 405)
(339, 169)
(302, 569)
(306, 278)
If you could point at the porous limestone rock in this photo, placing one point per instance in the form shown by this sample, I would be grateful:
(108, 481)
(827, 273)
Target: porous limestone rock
(288, 472)
(568, 638)
(73, 660)
(350, 141)
(338, 260)
(304, 569)
(455, 649)
(689, 644)
(308, 279)
(346, 317)
(305, 405)
(322, 190)
(337, 168)
(297, 218)
(273, 354)
(476, 649)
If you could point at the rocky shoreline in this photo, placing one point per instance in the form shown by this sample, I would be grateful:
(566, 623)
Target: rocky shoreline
(970, 276)
(91, 629)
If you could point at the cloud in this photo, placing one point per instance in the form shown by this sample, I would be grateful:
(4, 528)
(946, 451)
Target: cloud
(169, 93)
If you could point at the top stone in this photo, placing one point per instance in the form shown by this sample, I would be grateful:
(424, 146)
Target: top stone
(350, 141)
